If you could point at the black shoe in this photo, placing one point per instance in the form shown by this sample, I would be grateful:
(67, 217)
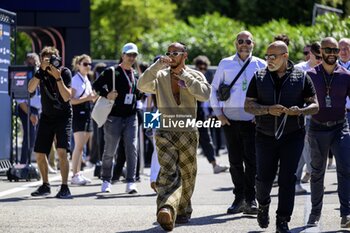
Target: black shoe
(236, 207)
(64, 193)
(182, 219)
(282, 225)
(43, 190)
(251, 207)
(313, 221)
(263, 216)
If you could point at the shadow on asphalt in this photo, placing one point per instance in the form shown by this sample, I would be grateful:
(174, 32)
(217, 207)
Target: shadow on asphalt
(201, 221)
(154, 229)
(52, 196)
(223, 189)
(299, 229)
(122, 195)
(216, 219)
(339, 231)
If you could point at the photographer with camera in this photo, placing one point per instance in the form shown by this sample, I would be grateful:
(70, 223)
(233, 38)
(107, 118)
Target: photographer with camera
(55, 119)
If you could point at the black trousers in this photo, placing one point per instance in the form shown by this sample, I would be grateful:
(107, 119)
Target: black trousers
(269, 151)
(240, 141)
(206, 143)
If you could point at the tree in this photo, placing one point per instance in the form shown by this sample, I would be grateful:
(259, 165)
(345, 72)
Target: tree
(116, 22)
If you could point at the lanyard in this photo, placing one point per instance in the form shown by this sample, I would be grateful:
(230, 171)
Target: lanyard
(130, 82)
(328, 84)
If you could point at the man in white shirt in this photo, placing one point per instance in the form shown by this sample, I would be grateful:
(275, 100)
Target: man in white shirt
(344, 61)
(238, 125)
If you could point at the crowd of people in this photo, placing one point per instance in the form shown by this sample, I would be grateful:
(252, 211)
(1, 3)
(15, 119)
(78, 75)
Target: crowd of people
(277, 118)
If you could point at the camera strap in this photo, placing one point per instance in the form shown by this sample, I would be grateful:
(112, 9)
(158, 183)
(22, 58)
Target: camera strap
(113, 78)
(240, 72)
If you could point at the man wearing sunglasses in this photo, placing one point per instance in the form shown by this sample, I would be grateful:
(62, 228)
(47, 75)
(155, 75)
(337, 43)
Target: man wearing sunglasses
(344, 61)
(306, 52)
(276, 96)
(329, 129)
(177, 89)
(238, 125)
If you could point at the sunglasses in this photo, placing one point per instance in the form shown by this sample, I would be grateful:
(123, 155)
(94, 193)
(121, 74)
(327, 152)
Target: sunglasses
(175, 54)
(272, 56)
(317, 57)
(241, 41)
(331, 50)
(87, 64)
(306, 53)
(131, 54)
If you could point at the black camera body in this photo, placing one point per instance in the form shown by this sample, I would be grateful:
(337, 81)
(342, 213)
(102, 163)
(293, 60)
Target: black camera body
(56, 61)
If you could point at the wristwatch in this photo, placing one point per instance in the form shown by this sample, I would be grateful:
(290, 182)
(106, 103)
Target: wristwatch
(59, 79)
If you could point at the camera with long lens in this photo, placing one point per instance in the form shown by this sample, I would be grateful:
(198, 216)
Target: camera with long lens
(56, 61)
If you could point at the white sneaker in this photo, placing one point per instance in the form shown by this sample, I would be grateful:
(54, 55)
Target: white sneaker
(106, 187)
(87, 180)
(131, 188)
(217, 169)
(299, 189)
(77, 179)
(51, 170)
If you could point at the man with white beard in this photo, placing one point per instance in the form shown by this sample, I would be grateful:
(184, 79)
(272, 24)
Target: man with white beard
(276, 96)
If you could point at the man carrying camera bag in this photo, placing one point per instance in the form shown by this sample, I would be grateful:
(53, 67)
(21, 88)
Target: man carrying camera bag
(56, 117)
(230, 85)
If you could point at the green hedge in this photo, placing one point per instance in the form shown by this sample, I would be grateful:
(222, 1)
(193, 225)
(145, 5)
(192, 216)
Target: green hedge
(213, 35)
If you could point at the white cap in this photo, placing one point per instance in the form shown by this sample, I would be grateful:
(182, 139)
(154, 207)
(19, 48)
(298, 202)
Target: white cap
(130, 48)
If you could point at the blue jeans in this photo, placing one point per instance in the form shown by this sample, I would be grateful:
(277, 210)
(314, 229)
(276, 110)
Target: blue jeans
(114, 129)
(321, 139)
(269, 151)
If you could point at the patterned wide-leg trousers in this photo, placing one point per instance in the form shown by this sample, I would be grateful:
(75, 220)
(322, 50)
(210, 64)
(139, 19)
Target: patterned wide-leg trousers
(177, 155)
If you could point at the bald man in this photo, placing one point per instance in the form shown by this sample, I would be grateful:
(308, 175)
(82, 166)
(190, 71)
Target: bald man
(238, 125)
(329, 129)
(177, 89)
(277, 96)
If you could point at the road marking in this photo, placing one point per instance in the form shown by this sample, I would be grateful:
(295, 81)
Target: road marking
(33, 184)
(26, 186)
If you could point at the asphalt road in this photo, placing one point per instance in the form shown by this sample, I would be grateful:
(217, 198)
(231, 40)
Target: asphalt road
(92, 211)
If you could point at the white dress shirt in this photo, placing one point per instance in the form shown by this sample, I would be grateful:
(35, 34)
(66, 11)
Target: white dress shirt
(228, 68)
(346, 65)
(305, 65)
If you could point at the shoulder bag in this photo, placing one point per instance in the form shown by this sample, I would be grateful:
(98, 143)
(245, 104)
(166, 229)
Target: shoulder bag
(103, 106)
(224, 90)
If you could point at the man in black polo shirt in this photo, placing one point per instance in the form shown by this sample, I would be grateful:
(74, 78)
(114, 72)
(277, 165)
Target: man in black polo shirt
(276, 96)
(55, 119)
(329, 129)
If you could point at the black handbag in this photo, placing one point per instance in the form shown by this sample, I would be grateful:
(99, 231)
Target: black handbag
(224, 90)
